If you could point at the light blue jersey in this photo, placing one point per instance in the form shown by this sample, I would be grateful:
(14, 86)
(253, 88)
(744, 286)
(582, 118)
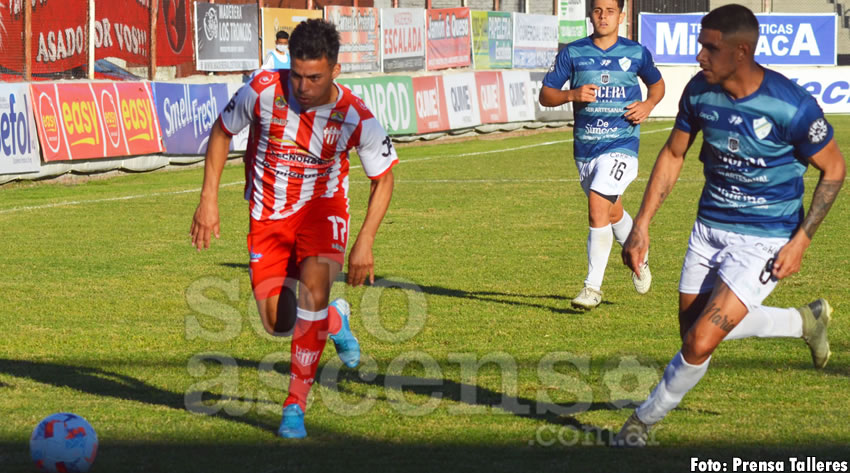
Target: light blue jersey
(755, 151)
(600, 126)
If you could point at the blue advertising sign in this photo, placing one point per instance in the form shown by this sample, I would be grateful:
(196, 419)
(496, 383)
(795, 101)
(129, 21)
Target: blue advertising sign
(798, 40)
(187, 113)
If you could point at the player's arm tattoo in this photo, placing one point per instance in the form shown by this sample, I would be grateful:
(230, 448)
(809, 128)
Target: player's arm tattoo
(824, 195)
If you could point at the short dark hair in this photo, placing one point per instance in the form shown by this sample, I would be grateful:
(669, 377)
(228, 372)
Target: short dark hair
(281, 35)
(621, 4)
(732, 19)
(314, 39)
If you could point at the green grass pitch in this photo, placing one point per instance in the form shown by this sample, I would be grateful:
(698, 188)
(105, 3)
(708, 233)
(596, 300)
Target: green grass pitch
(473, 358)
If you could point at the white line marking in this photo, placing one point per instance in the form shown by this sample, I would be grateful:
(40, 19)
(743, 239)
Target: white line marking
(427, 158)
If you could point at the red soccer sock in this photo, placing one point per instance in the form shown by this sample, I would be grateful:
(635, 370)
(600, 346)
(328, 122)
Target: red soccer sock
(308, 341)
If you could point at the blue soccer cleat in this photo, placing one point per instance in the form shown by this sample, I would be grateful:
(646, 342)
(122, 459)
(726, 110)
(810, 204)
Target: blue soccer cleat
(346, 345)
(292, 424)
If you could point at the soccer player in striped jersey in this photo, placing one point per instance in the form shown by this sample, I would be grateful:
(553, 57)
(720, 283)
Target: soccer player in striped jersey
(760, 132)
(302, 127)
(603, 71)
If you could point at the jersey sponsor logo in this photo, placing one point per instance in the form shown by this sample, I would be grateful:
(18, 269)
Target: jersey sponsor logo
(611, 93)
(588, 62)
(818, 131)
(600, 127)
(743, 161)
(337, 116)
(280, 101)
(735, 120)
(305, 357)
(255, 257)
(735, 194)
(605, 79)
(733, 144)
(625, 63)
(762, 127)
(279, 121)
(711, 117)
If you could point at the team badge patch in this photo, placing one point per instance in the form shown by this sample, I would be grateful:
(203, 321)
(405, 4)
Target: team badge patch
(606, 78)
(280, 101)
(762, 127)
(818, 131)
(625, 63)
(337, 116)
(733, 145)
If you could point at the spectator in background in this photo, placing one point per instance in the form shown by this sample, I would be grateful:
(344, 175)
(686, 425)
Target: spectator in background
(278, 58)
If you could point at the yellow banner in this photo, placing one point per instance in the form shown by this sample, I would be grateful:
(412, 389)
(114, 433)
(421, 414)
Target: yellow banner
(286, 19)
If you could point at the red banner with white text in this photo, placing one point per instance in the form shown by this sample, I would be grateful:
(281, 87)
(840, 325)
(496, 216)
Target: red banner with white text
(449, 40)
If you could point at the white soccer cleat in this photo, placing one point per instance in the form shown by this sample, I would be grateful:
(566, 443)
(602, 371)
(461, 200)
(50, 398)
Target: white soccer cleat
(588, 298)
(643, 281)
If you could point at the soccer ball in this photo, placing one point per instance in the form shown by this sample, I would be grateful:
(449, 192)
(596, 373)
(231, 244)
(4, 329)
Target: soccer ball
(63, 443)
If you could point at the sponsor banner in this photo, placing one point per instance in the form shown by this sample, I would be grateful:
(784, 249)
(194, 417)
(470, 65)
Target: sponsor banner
(18, 137)
(518, 99)
(462, 100)
(571, 20)
(360, 37)
(402, 39)
(187, 113)
(95, 120)
(239, 142)
(448, 38)
(226, 37)
(547, 114)
(430, 99)
(286, 19)
(492, 39)
(829, 85)
(390, 98)
(535, 41)
(783, 40)
(491, 96)
(174, 33)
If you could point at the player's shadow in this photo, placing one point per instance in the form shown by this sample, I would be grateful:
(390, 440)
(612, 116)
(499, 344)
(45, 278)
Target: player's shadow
(101, 382)
(519, 300)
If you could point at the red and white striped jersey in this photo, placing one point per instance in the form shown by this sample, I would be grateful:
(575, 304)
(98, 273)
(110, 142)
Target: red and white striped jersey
(295, 155)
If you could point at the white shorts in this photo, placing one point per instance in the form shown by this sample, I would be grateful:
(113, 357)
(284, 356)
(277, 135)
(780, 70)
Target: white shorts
(607, 174)
(743, 262)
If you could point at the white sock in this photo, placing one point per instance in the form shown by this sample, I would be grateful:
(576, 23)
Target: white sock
(679, 378)
(622, 228)
(311, 316)
(599, 243)
(768, 322)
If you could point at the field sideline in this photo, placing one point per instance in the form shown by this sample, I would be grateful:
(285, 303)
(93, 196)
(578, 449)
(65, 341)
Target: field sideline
(473, 358)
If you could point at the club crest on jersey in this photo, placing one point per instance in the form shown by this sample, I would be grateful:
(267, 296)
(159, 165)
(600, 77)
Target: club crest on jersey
(606, 78)
(762, 127)
(625, 63)
(332, 135)
(280, 101)
(337, 116)
(734, 144)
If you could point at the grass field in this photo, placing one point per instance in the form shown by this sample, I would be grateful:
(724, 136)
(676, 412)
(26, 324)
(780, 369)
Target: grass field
(473, 358)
